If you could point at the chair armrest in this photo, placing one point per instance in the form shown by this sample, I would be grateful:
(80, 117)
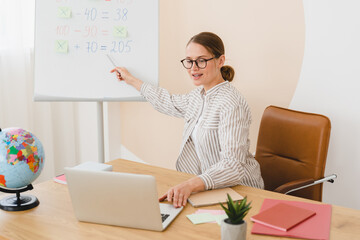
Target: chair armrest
(293, 185)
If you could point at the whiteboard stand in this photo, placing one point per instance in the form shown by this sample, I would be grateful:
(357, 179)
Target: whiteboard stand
(100, 123)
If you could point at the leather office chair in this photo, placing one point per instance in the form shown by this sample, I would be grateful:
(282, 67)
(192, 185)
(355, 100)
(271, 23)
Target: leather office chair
(291, 150)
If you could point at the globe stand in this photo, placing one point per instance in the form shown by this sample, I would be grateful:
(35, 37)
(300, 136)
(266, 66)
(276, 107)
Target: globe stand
(18, 203)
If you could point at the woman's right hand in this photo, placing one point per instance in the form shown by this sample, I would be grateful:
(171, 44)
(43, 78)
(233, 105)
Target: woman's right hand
(123, 75)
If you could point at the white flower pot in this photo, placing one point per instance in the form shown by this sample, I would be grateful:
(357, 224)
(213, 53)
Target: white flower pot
(233, 231)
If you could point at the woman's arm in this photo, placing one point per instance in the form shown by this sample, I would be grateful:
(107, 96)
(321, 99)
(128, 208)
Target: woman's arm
(160, 99)
(123, 75)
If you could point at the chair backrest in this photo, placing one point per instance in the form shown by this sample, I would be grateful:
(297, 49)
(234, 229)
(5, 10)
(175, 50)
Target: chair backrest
(293, 145)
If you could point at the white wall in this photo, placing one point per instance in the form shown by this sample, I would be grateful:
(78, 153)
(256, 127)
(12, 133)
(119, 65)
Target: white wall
(329, 84)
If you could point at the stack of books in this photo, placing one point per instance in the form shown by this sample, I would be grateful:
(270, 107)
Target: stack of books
(293, 219)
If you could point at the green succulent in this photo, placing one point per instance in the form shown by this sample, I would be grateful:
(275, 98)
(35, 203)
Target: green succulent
(236, 210)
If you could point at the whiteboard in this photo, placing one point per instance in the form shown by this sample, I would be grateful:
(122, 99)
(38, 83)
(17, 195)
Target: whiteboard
(73, 38)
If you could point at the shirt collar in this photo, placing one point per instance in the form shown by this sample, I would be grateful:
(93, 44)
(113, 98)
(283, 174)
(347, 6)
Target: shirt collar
(213, 89)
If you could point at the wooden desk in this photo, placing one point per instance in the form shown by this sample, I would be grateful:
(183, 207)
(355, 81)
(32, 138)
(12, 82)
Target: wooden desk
(54, 217)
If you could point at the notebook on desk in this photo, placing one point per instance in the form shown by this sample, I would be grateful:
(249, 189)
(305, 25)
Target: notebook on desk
(283, 216)
(120, 199)
(212, 197)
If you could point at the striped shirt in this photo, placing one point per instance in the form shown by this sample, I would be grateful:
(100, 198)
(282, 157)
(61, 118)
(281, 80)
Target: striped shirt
(222, 157)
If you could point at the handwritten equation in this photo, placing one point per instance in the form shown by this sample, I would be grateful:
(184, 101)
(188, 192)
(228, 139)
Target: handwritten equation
(93, 29)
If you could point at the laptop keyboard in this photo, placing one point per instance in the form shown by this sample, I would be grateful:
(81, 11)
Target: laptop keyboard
(164, 216)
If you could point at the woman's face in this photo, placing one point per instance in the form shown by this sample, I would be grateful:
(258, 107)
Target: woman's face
(208, 76)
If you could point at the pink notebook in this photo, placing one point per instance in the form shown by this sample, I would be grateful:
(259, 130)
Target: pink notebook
(316, 227)
(283, 216)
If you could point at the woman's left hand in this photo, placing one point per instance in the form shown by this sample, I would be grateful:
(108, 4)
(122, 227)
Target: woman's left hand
(179, 194)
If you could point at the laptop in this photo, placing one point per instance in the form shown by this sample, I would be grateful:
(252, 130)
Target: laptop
(119, 199)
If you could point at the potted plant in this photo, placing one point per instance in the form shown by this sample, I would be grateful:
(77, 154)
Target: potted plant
(234, 227)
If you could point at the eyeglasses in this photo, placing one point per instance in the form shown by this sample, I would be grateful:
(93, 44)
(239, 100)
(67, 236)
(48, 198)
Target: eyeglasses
(200, 62)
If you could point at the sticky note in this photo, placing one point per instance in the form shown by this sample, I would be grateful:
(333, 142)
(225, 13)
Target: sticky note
(64, 12)
(219, 218)
(120, 31)
(218, 215)
(200, 218)
(212, 212)
(61, 46)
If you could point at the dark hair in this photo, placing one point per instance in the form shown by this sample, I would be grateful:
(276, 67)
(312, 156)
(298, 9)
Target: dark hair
(215, 45)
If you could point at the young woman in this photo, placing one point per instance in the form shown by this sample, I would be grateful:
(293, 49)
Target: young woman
(215, 144)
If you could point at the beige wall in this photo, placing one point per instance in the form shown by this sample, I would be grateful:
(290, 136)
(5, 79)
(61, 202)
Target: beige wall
(264, 42)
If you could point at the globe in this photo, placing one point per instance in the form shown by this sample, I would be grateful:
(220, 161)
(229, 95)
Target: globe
(21, 158)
